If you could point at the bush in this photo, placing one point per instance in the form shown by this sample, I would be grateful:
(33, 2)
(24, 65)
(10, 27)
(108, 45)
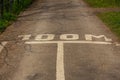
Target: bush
(11, 9)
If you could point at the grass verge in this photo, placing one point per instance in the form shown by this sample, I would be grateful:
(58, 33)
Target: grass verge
(103, 3)
(112, 20)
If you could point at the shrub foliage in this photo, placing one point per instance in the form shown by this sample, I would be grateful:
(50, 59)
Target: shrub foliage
(9, 9)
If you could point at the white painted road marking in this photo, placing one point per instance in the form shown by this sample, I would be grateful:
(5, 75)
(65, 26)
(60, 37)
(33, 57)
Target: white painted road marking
(90, 37)
(82, 42)
(69, 37)
(47, 37)
(117, 44)
(2, 46)
(60, 74)
(25, 37)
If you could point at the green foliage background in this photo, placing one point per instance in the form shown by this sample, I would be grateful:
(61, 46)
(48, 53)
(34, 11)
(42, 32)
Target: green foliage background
(11, 11)
(104, 3)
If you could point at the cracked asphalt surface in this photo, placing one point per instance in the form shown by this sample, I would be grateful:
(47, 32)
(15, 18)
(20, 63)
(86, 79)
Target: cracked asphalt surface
(68, 61)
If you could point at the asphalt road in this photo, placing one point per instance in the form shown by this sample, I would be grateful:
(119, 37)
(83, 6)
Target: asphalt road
(59, 40)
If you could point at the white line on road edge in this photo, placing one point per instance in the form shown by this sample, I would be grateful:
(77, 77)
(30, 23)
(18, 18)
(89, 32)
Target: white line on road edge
(60, 75)
(82, 42)
(2, 46)
(117, 44)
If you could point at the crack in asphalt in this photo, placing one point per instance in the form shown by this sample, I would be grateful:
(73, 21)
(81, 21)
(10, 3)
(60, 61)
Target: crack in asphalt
(54, 7)
(55, 10)
(6, 54)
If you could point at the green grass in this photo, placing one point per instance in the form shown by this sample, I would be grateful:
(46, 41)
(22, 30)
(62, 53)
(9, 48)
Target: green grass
(104, 3)
(8, 17)
(112, 20)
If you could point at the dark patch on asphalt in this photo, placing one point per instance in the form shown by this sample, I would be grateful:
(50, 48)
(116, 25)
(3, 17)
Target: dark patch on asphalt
(36, 76)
